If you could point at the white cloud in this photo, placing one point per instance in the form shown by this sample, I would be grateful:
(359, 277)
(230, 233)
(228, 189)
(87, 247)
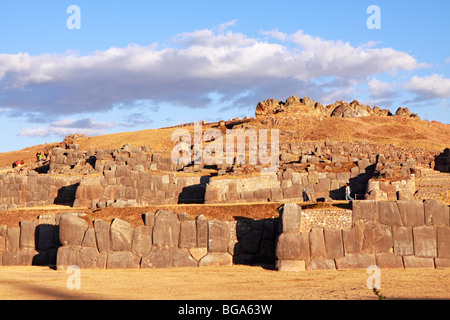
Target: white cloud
(195, 64)
(380, 90)
(65, 127)
(429, 87)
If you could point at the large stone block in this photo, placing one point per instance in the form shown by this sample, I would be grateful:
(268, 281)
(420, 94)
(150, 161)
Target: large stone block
(90, 258)
(19, 258)
(378, 239)
(290, 218)
(403, 241)
(168, 257)
(202, 231)
(72, 230)
(317, 244)
(121, 235)
(167, 228)
(102, 235)
(443, 242)
(122, 260)
(27, 234)
(290, 246)
(13, 239)
(353, 238)
(216, 259)
(425, 241)
(389, 261)
(325, 264)
(218, 236)
(142, 241)
(188, 234)
(355, 261)
(411, 212)
(418, 262)
(67, 256)
(333, 243)
(291, 265)
(3, 232)
(436, 213)
(89, 239)
(389, 213)
(364, 209)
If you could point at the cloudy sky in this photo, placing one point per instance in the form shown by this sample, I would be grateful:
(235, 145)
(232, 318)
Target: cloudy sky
(134, 65)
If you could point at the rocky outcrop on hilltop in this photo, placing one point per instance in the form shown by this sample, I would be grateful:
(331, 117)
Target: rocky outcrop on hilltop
(340, 109)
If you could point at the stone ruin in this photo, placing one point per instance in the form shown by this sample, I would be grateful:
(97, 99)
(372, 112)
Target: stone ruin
(139, 176)
(390, 234)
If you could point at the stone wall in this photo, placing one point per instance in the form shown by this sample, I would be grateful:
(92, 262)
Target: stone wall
(164, 240)
(389, 234)
(29, 189)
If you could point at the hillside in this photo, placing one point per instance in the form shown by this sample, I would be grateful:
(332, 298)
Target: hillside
(399, 131)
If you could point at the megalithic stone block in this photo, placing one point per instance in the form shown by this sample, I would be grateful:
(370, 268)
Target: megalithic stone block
(167, 228)
(218, 236)
(436, 213)
(72, 230)
(27, 234)
(290, 218)
(121, 235)
(425, 241)
(102, 235)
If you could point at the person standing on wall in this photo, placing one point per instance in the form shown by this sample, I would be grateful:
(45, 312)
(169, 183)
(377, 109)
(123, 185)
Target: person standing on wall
(347, 192)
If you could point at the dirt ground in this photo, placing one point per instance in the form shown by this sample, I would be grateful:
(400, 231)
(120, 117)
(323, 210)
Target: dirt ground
(220, 283)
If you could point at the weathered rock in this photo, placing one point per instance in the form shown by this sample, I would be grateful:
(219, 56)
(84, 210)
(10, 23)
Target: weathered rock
(290, 218)
(317, 244)
(90, 258)
(168, 257)
(389, 261)
(72, 230)
(291, 265)
(403, 241)
(436, 213)
(102, 235)
(67, 256)
(122, 260)
(365, 209)
(443, 242)
(167, 228)
(355, 261)
(27, 234)
(290, 246)
(188, 234)
(89, 239)
(333, 243)
(216, 259)
(418, 262)
(325, 264)
(19, 258)
(425, 242)
(218, 236)
(142, 241)
(202, 231)
(389, 213)
(121, 235)
(13, 239)
(353, 238)
(411, 213)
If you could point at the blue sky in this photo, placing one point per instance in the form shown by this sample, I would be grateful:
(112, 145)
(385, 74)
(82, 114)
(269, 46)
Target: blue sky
(134, 65)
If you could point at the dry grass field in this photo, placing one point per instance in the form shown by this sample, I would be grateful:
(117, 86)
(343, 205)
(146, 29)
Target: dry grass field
(220, 283)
